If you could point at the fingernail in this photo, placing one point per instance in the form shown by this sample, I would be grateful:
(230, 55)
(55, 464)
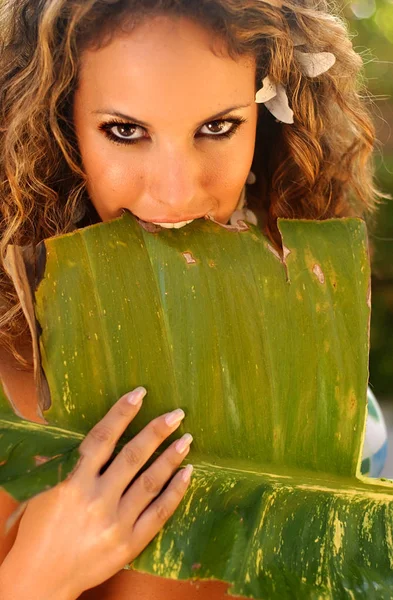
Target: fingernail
(174, 417)
(183, 442)
(186, 475)
(136, 396)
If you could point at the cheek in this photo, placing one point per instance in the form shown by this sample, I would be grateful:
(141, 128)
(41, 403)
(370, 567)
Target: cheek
(232, 174)
(114, 177)
(232, 171)
(110, 182)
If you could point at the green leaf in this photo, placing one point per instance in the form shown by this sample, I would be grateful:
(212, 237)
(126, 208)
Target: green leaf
(269, 360)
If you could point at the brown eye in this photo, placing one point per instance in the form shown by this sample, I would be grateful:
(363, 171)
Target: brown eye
(121, 133)
(124, 131)
(219, 127)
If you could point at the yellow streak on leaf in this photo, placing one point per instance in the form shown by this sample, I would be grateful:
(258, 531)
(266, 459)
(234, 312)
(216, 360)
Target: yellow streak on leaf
(338, 534)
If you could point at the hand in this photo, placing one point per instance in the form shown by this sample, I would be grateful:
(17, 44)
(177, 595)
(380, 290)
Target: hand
(84, 530)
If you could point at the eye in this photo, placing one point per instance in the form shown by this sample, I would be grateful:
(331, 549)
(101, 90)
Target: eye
(124, 133)
(222, 126)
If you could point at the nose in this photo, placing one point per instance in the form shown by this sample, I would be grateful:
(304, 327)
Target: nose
(174, 185)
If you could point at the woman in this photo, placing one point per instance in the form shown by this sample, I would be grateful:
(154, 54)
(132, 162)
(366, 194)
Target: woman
(165, 108)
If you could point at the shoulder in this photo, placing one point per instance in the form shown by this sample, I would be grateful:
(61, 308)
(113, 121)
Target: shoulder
(19, 385)
(13, 383)
(7, 506)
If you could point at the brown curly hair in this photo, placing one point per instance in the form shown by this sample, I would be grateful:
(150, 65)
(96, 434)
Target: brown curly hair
(317, 168)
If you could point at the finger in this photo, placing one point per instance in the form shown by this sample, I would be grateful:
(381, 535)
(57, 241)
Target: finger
(136, 453)
(158, 513)
(150, 483)
(97, 447)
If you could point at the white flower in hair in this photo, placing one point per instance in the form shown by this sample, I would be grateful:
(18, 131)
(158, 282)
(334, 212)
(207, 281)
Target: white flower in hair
(315, 63)
(267, 91)
(312, 63)
(279, 106)
(274, 96)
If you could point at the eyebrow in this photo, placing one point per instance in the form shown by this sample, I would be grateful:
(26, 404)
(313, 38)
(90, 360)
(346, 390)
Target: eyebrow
(120, 115)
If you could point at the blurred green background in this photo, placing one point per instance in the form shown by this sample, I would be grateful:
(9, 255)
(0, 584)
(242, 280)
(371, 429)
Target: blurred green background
(370, 24)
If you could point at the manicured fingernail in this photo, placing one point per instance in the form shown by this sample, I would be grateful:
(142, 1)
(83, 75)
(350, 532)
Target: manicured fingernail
(174, 417)
(136, 396)
(186, 475)
(183, 442)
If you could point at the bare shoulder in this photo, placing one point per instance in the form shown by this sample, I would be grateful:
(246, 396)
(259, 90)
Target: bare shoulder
(18, 383)
(19, 386)
(7, 506)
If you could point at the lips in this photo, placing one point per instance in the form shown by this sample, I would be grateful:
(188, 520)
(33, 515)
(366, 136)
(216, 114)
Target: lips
(173, 225)
(168, 224)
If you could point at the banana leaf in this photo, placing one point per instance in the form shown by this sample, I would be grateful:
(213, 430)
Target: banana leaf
(268, 357)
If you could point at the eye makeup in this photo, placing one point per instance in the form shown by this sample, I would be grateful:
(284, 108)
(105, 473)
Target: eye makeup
(107, 126)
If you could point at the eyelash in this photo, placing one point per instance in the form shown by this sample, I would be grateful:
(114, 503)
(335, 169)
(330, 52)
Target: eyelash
(107, 126)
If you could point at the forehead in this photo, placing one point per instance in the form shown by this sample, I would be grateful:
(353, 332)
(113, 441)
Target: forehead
(168, 63)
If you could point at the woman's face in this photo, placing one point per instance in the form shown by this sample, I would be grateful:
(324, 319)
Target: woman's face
(146, 119)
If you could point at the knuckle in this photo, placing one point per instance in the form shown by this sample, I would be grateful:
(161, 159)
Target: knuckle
(163, 513)
(71, 486)
(122, 413)
(111, 534)
(158, 429)
(132, 455)
(149, 484)
(70, 493)
(179, 492)
(101, 433)
(124, 409)
(96, 509)
(173, 458)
